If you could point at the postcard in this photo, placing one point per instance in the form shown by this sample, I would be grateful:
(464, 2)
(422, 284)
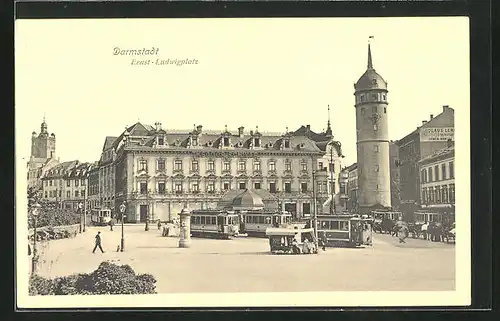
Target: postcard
(263, 162)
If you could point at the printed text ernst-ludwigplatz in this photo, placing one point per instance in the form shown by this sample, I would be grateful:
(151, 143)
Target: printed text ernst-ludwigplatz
(153, 51)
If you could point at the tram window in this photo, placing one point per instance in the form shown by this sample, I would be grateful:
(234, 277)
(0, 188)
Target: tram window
(334, 225)
(344, 226)
(247, 219)
(214, 221)
(268, 220)
(192, 219)
(255, 219)
(197, 220)
(203, 220)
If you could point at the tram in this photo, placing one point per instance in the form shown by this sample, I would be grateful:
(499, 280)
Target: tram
(214, 224)
(100, 216)
(345, 230)
(391, 215)
(423, 216)
(256, 222)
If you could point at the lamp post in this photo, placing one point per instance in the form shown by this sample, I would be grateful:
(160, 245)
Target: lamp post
(80, 209)
(122, 211)
(315, 217)
(34, 212)
(146, 228)
(332, 182)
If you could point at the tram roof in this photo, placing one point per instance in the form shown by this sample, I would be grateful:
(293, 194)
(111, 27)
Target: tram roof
(283, 231)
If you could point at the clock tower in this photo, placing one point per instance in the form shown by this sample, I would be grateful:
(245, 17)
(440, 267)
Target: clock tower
(372, 140)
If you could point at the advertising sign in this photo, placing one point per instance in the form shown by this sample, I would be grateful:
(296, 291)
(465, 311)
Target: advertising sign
(437, 134)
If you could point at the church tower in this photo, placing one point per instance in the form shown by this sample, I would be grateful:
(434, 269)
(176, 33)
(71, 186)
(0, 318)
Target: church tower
(43, 145)
(372, 139)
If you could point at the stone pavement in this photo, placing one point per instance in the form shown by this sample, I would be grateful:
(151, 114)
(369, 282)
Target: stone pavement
(245, 265)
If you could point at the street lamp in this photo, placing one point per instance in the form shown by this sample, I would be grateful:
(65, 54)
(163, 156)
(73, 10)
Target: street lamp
(80, 209)
(315, 205)
(146, 228)
(34, 212)
(122, 211)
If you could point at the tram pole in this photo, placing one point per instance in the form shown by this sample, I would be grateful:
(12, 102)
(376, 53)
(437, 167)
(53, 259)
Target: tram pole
(315, 205)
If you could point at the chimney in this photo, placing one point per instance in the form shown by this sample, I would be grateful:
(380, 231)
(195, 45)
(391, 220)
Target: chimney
(432, 116)
(199, 128)
(424, 122)
(240, 131)
(445, 108)
(308, 128)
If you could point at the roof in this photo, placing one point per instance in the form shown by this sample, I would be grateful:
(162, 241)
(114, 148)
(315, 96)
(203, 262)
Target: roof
(438, 121)
(351, 167)
(322, 140)
(283, 231)
(370, 79)
(248, 199)
(144, 136)
(108, 142)
(69, 170)
(448, 151)
(270, 201)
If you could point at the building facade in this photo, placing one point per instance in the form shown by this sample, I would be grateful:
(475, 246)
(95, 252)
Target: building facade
(394, 170)
(433, 135)
(157, 173)
(43, 156)
(94, 195)
(107, 174)
(352, 188)
(66, 184)
(372, 140)
(437, 187)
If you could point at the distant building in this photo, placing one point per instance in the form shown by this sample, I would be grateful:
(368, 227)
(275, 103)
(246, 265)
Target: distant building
(43, 155)
(159, 172)
(394, 169)
(430, 137)
(94, 198)
(107, 174)
(437, 186)
(66, 184)
(372, 139)
(352, 188)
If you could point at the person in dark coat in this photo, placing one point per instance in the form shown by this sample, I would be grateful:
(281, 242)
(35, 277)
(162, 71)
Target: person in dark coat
(111, 224)
(98, 242)
(323, 240)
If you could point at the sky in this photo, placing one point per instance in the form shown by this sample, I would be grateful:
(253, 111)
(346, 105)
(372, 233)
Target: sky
(270, 73)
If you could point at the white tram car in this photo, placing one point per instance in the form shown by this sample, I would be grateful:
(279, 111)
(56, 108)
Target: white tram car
(345, 230)
(214, 224)
(100, 216)
(256, 222)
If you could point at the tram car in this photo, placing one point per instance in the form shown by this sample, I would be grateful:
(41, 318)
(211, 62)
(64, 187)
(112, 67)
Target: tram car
(256, 222)
(100, 216)
(345, 230)
(214, 224)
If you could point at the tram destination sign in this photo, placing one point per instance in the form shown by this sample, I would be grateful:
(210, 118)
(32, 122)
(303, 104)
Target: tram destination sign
(437, 134)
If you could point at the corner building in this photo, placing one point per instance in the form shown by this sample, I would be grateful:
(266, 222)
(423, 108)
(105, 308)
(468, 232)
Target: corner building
(372, 140)
(158, 173)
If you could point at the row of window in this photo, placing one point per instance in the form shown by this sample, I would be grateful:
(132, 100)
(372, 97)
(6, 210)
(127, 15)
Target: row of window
(68, 194)
(178, 187)
(76, 182)
(433, 174)
(371, 97)
(333, 225)
(444, 194)
(226, 165)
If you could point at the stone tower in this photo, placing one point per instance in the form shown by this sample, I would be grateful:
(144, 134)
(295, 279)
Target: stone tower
(43, 145)
(372, 140)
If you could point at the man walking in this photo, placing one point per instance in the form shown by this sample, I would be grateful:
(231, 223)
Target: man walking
(98, 242)
(111, 224)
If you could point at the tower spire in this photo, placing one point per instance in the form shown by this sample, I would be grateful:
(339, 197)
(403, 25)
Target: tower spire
(328, 126)
(370, 63)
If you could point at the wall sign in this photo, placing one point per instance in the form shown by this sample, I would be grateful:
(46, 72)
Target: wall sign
(438, 134)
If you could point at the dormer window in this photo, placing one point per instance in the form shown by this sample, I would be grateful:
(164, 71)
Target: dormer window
(195, 141)
(256, 142)
(226, 141)
(161, 140)
(287, 143)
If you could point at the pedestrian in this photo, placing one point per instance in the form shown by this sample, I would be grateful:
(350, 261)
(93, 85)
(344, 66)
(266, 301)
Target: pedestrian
(402, 234)
(98, 242)
(424, 230)
(111, 224)
(323, 240)
(159, 224)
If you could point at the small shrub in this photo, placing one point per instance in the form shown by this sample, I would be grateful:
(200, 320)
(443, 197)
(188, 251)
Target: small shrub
(109, 278)
(41, 286)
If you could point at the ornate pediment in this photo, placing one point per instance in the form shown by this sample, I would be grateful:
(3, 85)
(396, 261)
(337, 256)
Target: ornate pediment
(242, 176)
(195, 176)
(178, 176)
(211, 176)
(162, 175)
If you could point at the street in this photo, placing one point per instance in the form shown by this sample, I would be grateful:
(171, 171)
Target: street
(245, 264)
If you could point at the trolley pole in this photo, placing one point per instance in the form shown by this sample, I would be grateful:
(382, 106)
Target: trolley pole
(315, 205)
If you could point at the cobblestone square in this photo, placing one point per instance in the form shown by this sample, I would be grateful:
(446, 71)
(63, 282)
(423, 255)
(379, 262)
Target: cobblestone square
(245, 264)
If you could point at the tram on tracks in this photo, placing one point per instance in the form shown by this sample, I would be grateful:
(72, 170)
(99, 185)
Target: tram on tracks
(255, 223)
(214, 224)
(345, 230)
(100, 216)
